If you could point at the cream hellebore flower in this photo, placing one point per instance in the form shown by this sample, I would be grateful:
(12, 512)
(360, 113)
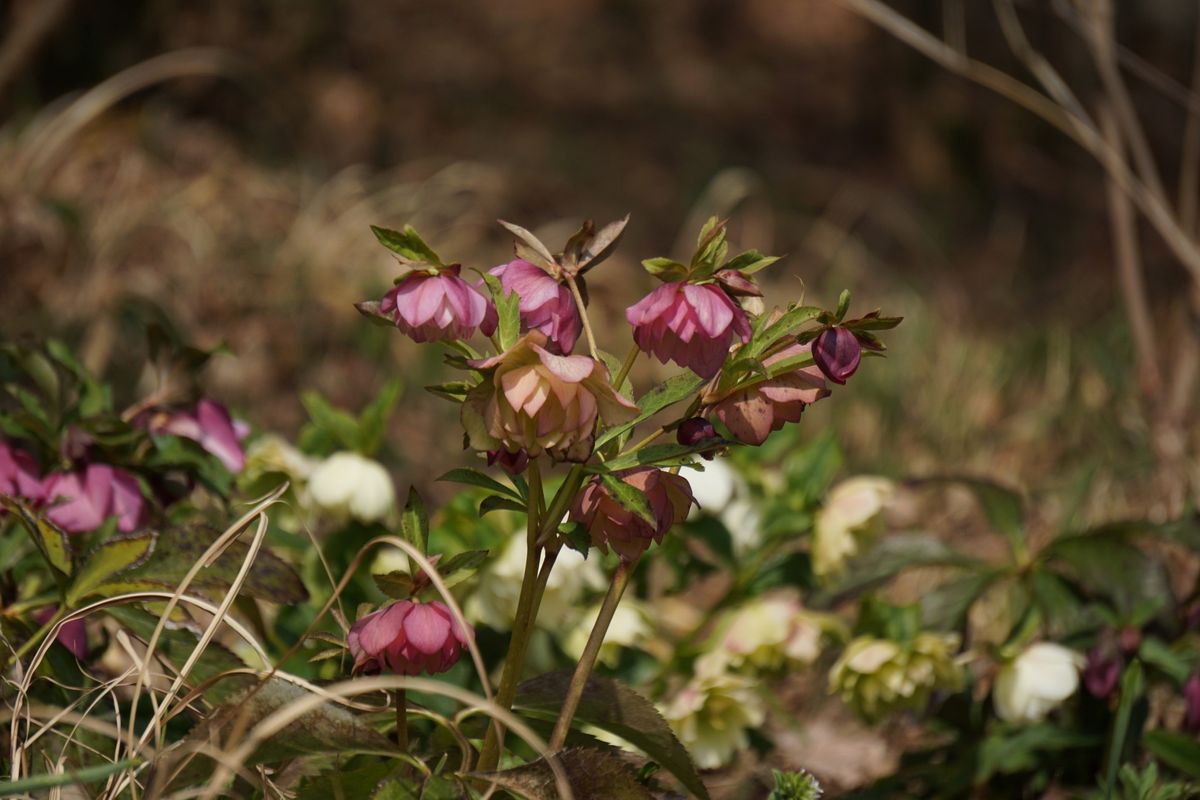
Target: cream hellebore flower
(629, 627)
(712, 713)
(877, 677)
(349, 484)
(494, 600)
(852, 515)
(771, 632)
(1036, 682)
(535, 400)
(272, 453)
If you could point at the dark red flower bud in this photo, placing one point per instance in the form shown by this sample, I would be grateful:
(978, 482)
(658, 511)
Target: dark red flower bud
(837, 353)
(694, 431)
(512, 463)
(1102, 672)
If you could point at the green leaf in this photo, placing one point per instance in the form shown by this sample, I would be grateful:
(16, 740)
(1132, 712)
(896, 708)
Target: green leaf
(372, 422)
(791, 319)
(1177, 750)
(414, 522)
(71, 777)
(1010, 751)
(407, 244)
(614, 707)
(795, 786)
(51, 541)
(494, 502)
(660, 455)
(1133, 684)
(593, 774)
(508, 311)
(888, 558)
(671, 391)
(750, 262)
(339, 424)
(945, 606)
(395, 584)
(575, 535)
(468, 560)
(665, 269)
(116, 555)
(843, 304)
(1112, 567)
(1157, 653)
(337, 781)
(629, 497)
(473, 477)
(179, 548)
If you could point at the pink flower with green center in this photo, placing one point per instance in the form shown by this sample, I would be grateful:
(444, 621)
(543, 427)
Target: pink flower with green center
(429, 308)
(691, 325)
(612, 525)
(407, 638)
(544, 304)
(752, 412)
(541, 402)
(82, 501)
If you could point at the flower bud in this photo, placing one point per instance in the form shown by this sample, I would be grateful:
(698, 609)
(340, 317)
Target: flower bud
(349, 484)
(1036, 682)
(851, 516)
(691, 325)
(512, 463)
(752, 412)
(430, 308)
(1191, 696)
(407, 638)
(544, 304)
(837, 352)
(19, 474)
(611, 524)
(82, 501)
(878, 677)
(694, 431)
(1103, 671)
(535, 400)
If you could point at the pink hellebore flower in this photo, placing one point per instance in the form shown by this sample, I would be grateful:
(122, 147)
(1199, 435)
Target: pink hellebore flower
(210, 426)
(19, 474)
(541, 402)
(430, 308)
(611, 524)
(688, 324)
(82, 501)
(836, 353)
(545, 304)
(71, 635)
(407, 638)
(752, 412)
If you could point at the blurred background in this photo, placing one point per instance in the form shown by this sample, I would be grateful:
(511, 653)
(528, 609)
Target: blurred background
(218, 164)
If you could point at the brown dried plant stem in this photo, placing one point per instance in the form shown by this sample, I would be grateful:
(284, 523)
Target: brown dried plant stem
(523, 621)
(587, 661)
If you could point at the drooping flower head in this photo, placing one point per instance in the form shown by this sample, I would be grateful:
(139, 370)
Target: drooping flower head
(81, 501)
(752, 411)
(1036, 682)
(878, 677)
(544, 304)
(210, 425)
(407, 638)
(430, 307)
(837, 353)
(692, 325)
(613, 525)
(19, 475)
(713, 713)
(542, 402)
(851, 517)
(771, 632)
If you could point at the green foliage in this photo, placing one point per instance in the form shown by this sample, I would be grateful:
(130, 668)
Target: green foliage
(593, 774)
(795, 786)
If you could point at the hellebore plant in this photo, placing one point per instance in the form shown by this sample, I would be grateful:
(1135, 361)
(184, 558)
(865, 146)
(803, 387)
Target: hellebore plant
(535, 402)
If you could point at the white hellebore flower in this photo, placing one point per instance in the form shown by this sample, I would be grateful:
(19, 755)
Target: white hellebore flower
(630, 626)
(494, 601)
(713, 712)
(853, 512)
(1036, 682)
(347, 483)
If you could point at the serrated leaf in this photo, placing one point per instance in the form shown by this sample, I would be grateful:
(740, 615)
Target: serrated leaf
(888, 558)
(629, 497)
(177, 550)
(112, 557)
(473, 477)
(575, 535)
(533, 243)
(614, 707)
(593, 774)
(407, 244)
(671, 391)
(508, 312)
(51, 541)
(414, 522)
(464, 561)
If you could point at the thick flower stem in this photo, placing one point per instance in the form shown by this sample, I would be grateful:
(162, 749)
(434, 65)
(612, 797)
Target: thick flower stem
(587, 661)
(489, 756)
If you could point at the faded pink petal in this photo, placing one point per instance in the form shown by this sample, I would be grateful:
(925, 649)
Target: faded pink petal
(692, 325)
(573, 369)
(544, 304)
(427, 630)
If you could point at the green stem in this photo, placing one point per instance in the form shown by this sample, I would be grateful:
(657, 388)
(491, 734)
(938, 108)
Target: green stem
(626, 366)
(489, 756)
(561, 502)
(35, 640)
(587, 325)
(587, 661)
